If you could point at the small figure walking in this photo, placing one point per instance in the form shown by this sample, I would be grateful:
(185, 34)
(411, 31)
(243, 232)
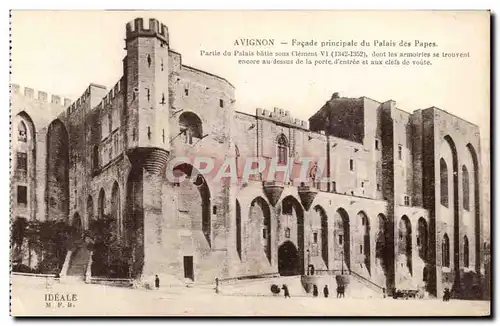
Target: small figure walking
(285, 291)
(216, 285)
(340, 291)
(446, 294)
(326, 292)
(157, 282)
(315, 290)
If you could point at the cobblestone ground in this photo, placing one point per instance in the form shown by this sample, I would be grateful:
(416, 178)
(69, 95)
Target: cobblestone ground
(97, 300)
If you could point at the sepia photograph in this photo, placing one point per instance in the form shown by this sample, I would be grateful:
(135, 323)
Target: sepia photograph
(250, 163)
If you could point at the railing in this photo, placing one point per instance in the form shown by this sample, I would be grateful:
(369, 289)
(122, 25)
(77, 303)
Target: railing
(332, 272)
(372, 285)
(247, 277)
(123, 282)
(34, 275)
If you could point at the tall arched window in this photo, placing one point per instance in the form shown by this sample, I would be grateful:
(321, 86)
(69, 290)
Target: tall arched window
(95, 158)
(465, 181)
(446, 251)
(22, 134)
(282, 149)
(443, 168)
(466, 251)
(101, 209)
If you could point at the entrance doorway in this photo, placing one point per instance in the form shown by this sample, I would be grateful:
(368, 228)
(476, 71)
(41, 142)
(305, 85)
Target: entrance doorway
(288, 259)
(188, 267)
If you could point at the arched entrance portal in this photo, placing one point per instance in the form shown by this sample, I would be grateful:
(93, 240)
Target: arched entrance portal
(288, 259)
(193, 199)
(342, 243)
(57, 187)
(363, 241)
(382, 250)
(404, 245)
(291, 228)
(259, 229)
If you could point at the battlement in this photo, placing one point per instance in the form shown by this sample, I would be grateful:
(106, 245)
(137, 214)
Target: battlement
(152, 28)
(281, 116)
(111, 94)
(76, 104)
(40, 96)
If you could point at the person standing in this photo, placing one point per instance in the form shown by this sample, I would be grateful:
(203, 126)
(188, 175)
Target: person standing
(326, 292)
(157, 282)
(315, 290)
(285, 291)
(342, 291)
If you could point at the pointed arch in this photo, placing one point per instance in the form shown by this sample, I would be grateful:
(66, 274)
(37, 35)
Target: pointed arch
(191, 126)
(57, 171)
(194, 199)
(25, 127)
(455, 205)
(101, 205)
(293, 217)
(324, 232)
(24, 157)
(445, 251)
(115, 205)
(423, 239)
(465, 188)
(282, 149)
(364, 240)
(342, 242)
(405, 243)
(260, 220)
(443, 168)
(477, 205)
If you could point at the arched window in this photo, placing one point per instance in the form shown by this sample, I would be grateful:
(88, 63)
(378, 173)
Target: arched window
(95, 158)
(282, 150)
(465, 181)
(101, 204)
(190, 125)
(22, 134)
(446, 251)
(444, 182)
(466, 251)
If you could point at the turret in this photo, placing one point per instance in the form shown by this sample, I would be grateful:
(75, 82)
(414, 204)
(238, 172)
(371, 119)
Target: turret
(147, 92)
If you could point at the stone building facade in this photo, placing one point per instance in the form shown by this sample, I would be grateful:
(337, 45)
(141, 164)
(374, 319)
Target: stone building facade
(400, 207)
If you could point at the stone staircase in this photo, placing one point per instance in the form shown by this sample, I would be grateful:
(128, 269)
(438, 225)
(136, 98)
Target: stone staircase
(77, 266)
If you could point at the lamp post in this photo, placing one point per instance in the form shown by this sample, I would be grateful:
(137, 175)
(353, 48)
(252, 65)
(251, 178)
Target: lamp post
(308, 260)
(342, 263)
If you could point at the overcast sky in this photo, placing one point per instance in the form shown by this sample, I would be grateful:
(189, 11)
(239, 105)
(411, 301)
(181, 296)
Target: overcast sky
(62, 52)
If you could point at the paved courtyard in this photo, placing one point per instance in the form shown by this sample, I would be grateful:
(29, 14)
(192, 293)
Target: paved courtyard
(97, 300)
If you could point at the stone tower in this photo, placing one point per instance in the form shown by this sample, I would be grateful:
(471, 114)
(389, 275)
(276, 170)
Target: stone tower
(147, 142)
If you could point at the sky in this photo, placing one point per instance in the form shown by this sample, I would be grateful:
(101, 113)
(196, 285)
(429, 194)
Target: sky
(61, 52)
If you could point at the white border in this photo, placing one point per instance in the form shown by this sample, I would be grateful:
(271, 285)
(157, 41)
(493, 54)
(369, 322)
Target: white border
(178, 5)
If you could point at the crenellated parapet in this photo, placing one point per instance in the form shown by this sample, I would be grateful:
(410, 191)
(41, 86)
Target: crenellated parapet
(281, 116)
(40, 96)
(117, 89)
(149, 28)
